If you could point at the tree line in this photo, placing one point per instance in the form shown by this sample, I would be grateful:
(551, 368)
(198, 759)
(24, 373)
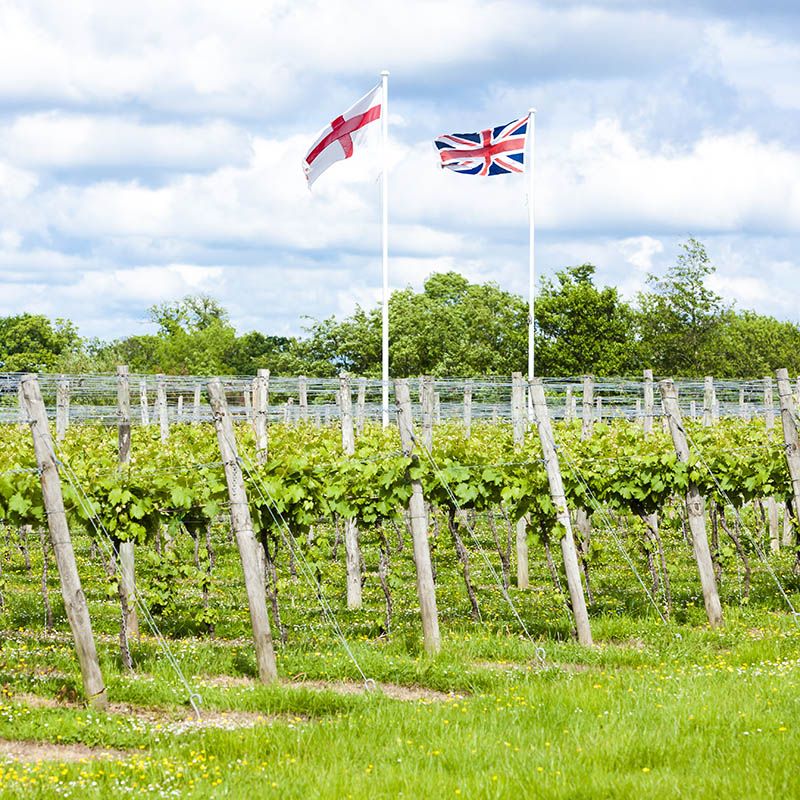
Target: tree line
(677, 326)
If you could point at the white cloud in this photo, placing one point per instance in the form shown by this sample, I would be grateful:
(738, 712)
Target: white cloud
(74, 141)
(757, 64)
(145, 285)
(602, 178)
(639, 251)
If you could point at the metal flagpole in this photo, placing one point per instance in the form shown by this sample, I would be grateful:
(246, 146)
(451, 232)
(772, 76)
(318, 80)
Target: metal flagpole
(385, 241)
(531, 209)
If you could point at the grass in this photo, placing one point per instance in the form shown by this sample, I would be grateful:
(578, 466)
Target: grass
(674, 710)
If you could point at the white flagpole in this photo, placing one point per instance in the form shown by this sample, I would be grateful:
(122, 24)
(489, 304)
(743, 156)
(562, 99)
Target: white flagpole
(531, 209)
(385, 242)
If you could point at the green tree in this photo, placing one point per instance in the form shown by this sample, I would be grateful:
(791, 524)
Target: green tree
(195, 337)
(749, 345)
(582, 329)
(453, 327)
(679, 317)
(31, 343)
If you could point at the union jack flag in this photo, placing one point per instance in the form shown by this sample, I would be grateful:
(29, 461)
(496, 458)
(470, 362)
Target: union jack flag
(497, 151)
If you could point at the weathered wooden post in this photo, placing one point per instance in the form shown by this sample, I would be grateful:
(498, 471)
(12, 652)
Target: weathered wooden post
(179, 414)
(651, 520)
(708, 400)
(248, 406)
(245, 536)
(467, 408)
(62, 409)
(302, 393)
(568, 550)
(127, 568)
(161, 402)
(771, 502)
(21, 413)
(790, 438)
(649, 402)
(352, 551)
(143, 402)
(71, 590)
(518, 428)
(361, 402)
(769, 407)
(586, 408)
(196, 404)
(419, 527)
(568, 409)
(261, 401)
(695, 509)
(427, 411)
(583, 520)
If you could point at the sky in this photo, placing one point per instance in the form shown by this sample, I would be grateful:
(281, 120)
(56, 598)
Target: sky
(153, 150)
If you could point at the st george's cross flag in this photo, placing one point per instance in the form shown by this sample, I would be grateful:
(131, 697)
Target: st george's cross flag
(498, 151)
(338, 140)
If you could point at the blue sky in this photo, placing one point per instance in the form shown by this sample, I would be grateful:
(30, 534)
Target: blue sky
(151, 150)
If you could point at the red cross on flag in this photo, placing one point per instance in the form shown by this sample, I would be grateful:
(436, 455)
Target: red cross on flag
(338, 140)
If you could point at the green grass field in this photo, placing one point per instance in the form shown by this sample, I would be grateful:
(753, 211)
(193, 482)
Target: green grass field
(652, 710)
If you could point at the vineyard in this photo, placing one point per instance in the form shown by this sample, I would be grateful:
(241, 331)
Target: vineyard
(313, 604)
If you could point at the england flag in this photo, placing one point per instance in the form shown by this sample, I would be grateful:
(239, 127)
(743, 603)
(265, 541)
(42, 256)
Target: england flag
(339, 140)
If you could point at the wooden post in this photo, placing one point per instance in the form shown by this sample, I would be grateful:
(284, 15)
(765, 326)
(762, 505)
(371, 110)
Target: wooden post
(708, 400)
(261, 401)
(638, 413)
(127, 566)
(649, 401)
(568, 550)
(419, 526)
(245, 536)
(695, 509)
(651, 520)
(248, 406)
(769, 408)
(62, 409)
(587, 418)
(361, 402)
(742, 407)
(790, 437)
(71, 590)
(786, 535)
(163, 410)
(180, 408)
(352, 551)
(143, 402)
(302, 392)
(518, 428)
(583, 519)
(427, 411)
(771, 502)
(467, 409)
(21, 413)
(196, 404)
(692, 409)
(568, 410)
